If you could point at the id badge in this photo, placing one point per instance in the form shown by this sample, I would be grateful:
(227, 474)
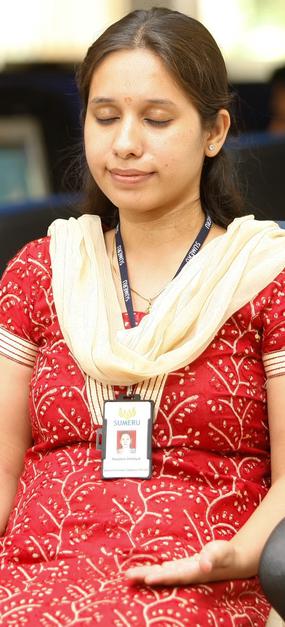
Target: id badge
(126, 438)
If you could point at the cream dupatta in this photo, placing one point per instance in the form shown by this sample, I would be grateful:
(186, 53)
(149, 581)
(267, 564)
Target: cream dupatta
(226, 274)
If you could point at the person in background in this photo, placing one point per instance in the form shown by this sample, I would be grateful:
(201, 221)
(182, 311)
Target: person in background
(162, 291)
(277, 101)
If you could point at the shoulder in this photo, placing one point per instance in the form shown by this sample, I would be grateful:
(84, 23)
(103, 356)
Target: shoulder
(29, 264)
(24, 287)
(37, 248)
(273, 291)
(270, 301)
(33, 250)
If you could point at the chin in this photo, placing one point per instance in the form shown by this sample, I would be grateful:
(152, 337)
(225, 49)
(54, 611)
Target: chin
(133, 202)
(131, 206)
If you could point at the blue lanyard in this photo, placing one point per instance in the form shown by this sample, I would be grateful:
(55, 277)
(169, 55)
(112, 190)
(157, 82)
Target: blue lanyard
(194, 248)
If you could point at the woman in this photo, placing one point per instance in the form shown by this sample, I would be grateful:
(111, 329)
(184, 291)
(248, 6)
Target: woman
(125, 446)
(203, 293)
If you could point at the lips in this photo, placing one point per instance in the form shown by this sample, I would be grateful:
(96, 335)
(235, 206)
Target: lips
(129, 176)
(129, 172)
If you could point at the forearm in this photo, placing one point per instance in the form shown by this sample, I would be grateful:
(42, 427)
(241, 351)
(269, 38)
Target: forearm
(8, 488)
(250, 539)
(219, 559)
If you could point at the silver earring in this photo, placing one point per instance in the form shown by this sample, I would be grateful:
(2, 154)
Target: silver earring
(211, 147)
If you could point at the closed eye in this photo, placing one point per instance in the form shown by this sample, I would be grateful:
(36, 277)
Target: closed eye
(106, 120)
(158, 122)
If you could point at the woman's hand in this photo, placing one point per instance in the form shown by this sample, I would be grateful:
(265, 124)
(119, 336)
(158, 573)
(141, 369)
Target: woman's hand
(216, 561)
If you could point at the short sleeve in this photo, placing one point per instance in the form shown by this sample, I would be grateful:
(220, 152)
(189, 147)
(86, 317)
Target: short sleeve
(273, 314)
(18, 292)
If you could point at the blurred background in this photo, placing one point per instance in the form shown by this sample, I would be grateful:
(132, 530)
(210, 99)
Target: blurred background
(41, 44)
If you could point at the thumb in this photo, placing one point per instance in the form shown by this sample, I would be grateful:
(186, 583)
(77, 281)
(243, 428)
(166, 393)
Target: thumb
(216, 554)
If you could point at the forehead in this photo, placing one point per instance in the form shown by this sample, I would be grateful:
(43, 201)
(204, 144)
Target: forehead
(134, 73)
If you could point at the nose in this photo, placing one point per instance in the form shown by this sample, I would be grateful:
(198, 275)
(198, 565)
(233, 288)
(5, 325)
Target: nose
(127, 140)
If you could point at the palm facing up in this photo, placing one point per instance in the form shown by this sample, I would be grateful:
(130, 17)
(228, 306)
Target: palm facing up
(216, 561)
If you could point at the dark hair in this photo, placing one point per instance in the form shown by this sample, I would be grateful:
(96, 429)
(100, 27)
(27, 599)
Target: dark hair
(192, 56)
(276, 86)
(278, 77)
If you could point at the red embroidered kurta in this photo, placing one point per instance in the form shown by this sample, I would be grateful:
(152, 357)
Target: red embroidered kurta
(71, 535)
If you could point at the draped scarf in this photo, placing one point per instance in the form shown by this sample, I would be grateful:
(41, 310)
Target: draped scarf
(227, 273)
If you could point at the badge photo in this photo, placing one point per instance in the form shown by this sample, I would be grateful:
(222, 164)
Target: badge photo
(126, 438)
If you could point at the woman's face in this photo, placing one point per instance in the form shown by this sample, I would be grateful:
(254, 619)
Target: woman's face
(125, 440)
(144, 142)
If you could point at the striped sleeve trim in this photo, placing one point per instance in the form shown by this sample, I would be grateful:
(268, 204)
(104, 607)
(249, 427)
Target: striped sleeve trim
(274, 364)
(17, 348)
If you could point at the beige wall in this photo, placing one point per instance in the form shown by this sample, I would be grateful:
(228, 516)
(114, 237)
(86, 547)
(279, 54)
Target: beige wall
(51, 30)
(185, 6)
(250, 33)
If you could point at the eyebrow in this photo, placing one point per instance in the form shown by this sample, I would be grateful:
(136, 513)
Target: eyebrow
(101, 100)
(161, 101)
(156, 101)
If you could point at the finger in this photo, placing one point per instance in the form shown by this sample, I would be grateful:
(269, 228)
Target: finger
(182, 561)
(141, 571)
(177, 572)
(203, 559)
(138, 573)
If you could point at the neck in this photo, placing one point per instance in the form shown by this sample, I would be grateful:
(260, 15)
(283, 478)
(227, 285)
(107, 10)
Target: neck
(155, 247)
(149, 233)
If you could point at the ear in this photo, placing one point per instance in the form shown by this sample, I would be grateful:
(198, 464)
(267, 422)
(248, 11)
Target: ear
(217, 135)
